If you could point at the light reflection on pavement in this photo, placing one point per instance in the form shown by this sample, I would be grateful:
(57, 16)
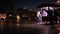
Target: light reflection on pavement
(25, 27)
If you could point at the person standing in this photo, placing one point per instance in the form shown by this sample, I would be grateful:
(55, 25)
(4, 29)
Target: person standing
(58, 16)
(55, 16)
(39, 16)
(50, 16)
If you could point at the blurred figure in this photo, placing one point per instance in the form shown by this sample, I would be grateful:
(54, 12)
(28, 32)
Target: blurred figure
(2, 23)
(55, 16)
(58, 16)
(39, 16)
(44, 15)
(50, 16)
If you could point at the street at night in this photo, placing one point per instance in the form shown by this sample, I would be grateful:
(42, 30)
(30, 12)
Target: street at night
(30, 16)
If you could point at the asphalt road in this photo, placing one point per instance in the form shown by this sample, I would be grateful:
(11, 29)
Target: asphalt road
(28, 28)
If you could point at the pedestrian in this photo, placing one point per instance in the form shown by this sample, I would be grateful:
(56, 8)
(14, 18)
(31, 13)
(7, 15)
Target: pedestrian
(50, 16)
(39, 16)
(55, 16)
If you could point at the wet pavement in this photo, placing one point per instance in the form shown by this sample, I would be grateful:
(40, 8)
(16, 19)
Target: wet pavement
(28, 28)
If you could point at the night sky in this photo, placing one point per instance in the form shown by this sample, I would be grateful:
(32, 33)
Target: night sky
(32, 4)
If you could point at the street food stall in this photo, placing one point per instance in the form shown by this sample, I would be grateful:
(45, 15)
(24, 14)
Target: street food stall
(45, 7)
